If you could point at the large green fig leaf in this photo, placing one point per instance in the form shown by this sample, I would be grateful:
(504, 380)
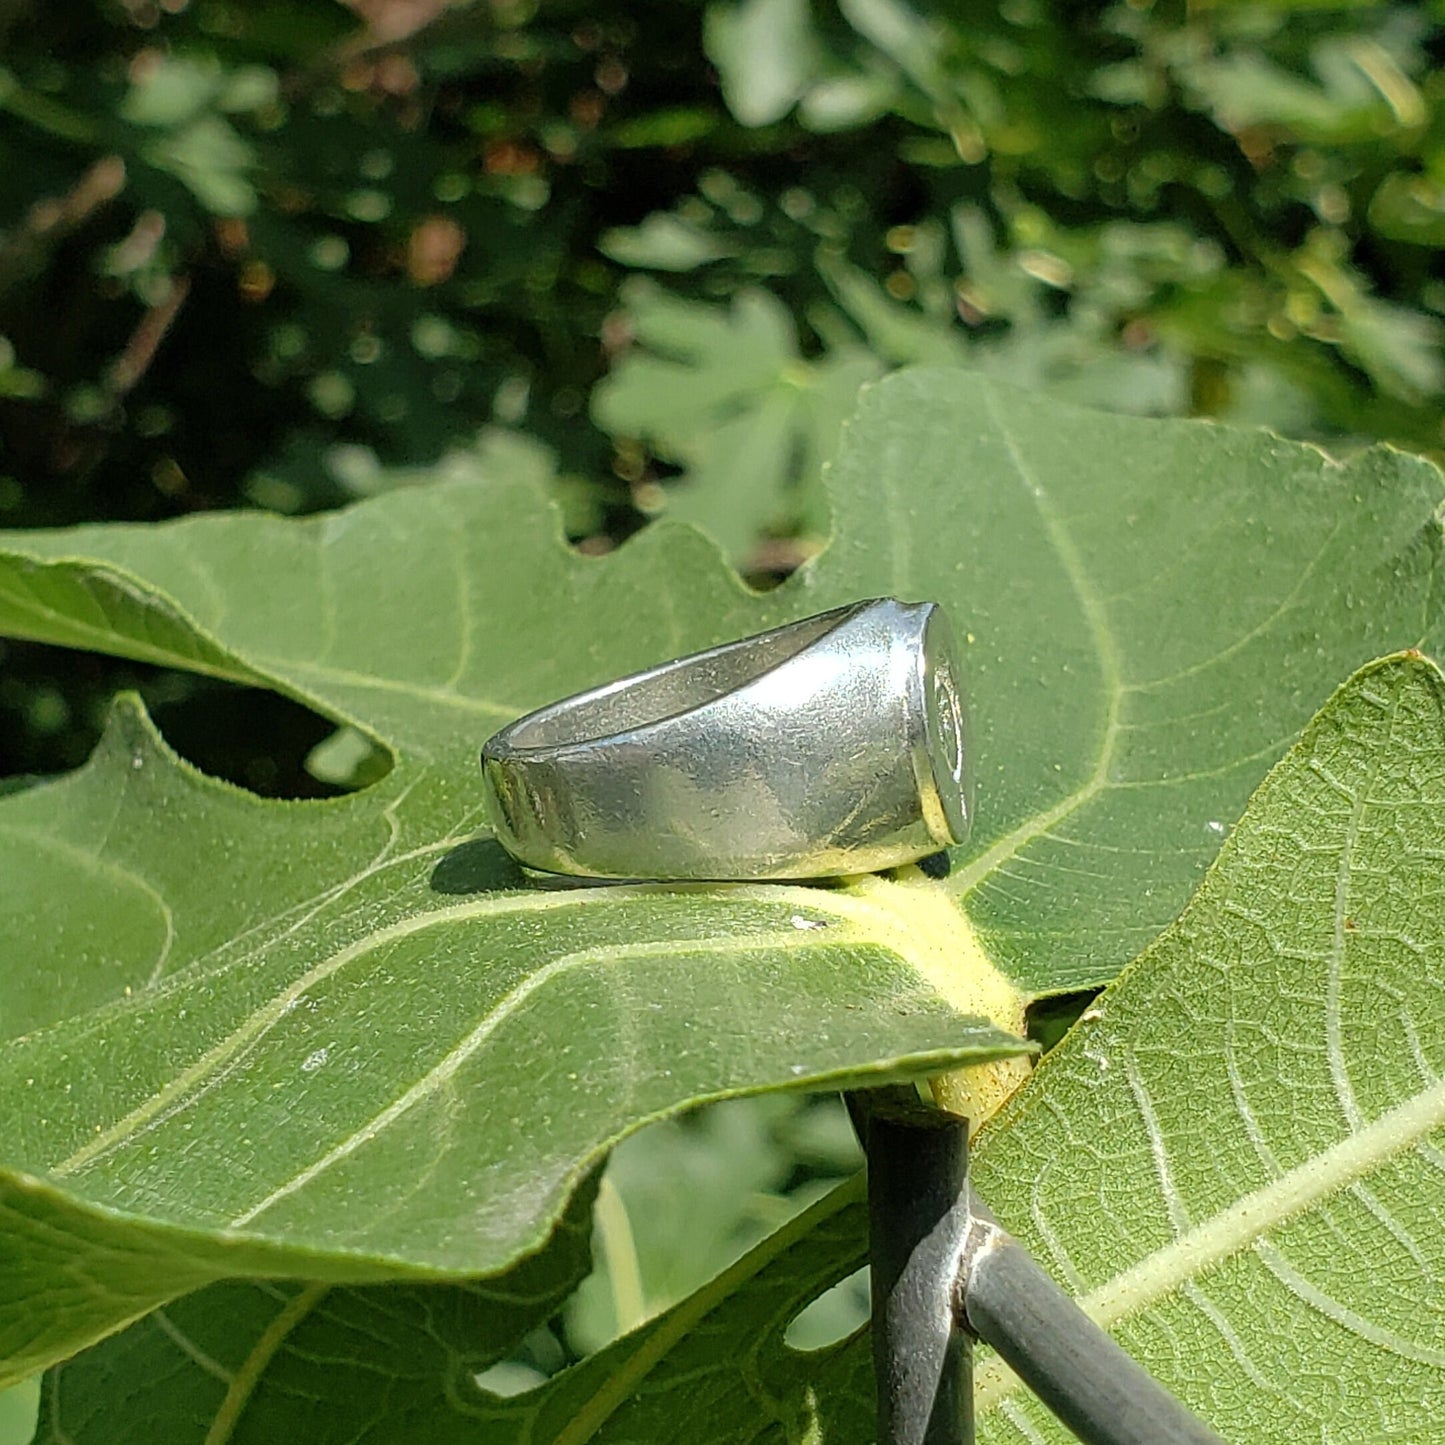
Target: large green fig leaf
(1236, 1160)
(344, 1040)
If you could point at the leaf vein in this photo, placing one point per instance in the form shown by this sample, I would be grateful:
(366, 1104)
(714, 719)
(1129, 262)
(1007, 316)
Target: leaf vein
(243, 1386)
(1342, 1315)
(442, 1074)
(1245, 1221)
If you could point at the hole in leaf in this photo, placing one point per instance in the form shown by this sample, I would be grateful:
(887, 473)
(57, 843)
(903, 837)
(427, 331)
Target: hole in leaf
(686, 1196)
(833, 1316)
(537, 1358)
(1049, 1019)
(20, 1410)
(510, 1377)
(53, 705)
(347, 760)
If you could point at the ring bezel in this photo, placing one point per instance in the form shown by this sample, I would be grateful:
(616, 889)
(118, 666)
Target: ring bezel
(833, 744)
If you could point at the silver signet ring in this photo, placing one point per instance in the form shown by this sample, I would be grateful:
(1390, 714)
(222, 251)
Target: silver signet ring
(833, 745)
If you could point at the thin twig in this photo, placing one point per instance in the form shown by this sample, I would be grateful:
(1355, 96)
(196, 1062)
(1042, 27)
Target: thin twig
(918, 1221)
(140, 350)
(1102, 1394)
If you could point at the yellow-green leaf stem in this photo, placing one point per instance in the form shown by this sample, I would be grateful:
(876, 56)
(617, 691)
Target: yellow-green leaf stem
(917, 918)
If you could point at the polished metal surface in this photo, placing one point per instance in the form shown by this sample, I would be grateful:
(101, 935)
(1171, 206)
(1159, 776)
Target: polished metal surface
(833, 745)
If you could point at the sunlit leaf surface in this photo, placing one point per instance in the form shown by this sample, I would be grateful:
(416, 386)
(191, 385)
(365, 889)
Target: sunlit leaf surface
(1236, 1162)
(345, 1041)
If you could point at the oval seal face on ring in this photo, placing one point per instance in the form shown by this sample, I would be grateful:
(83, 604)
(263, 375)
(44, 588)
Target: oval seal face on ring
(948, 749)
(950, 723)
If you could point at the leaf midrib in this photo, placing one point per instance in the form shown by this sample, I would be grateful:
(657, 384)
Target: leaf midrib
(1243, 1223)
(440, 1074)
(968, 878)
(376, 682)
(238, 1042)
(248, 1377)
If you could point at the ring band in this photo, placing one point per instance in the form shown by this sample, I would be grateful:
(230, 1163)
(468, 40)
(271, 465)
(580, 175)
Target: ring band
(833, 745)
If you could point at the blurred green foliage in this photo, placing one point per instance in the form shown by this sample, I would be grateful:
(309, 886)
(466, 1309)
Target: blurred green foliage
(281, 254)
(264, 252)
(1232, 214)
